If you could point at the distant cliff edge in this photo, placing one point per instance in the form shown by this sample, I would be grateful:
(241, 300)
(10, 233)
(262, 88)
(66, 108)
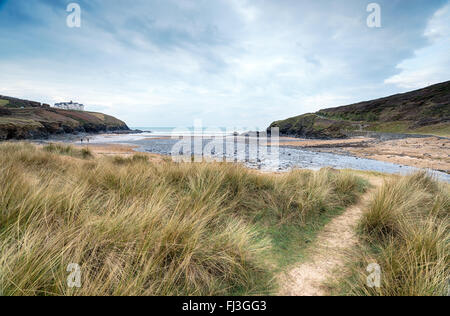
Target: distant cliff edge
(424, 111)
(23, 119)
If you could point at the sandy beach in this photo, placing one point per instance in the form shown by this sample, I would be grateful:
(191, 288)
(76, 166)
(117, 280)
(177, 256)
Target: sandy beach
(430, 152)
(118, 150)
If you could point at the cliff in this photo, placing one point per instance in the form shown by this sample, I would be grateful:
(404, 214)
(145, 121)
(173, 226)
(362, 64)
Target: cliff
(23, 119)
(423, 111)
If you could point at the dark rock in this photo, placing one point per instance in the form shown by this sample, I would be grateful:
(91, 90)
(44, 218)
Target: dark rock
(4, 112)
(24, 119)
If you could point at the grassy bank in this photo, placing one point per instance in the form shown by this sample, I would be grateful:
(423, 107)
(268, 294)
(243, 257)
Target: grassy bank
(406, 232)
(21, 119)
(423, 111)
(141, 228)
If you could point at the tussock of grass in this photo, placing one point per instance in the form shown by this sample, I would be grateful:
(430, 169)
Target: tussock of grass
(141, 228)
(128, 160)
(68, 150)
(406, 231)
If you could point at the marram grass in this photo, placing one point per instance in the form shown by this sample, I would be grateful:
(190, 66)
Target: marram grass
(406, 231)
(137, 227)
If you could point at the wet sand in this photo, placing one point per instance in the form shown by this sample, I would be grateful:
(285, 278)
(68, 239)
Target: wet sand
(429, 152)
(401, 155)
(118, 150)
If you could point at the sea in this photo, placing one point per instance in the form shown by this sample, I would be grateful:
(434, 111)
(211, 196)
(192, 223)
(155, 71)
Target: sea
(222, 143)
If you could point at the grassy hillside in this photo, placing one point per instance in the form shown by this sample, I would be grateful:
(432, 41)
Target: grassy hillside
(22, 119)
(313, 126)
(136, 227)
(424, 111)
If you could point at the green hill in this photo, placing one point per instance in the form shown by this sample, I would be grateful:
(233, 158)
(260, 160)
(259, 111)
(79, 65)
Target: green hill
(23, 119)
(424, 111)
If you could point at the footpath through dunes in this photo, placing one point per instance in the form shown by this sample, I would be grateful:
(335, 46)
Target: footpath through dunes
(327, 254)
(139, 226)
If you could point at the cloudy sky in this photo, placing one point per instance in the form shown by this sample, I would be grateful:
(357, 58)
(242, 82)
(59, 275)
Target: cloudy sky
(242, 63)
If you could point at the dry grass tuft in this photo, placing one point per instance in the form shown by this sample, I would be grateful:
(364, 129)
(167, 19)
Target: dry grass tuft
(406, 232)
(137, 227)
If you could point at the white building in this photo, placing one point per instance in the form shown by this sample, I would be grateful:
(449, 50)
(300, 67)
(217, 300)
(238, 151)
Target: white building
(70, 106)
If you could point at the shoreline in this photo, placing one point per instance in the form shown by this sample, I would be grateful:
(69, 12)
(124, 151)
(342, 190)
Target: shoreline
(423, 153)
(387, 155)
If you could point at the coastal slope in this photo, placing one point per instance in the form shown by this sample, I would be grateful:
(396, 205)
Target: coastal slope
(23, 119)
(423, 111)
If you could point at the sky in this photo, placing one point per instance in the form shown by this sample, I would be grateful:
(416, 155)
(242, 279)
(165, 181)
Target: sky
(228, 63)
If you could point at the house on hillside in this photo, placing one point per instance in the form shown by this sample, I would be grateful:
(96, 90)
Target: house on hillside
(70, 106)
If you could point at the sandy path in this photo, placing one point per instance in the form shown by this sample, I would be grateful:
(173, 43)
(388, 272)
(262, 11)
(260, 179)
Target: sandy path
(327, 253)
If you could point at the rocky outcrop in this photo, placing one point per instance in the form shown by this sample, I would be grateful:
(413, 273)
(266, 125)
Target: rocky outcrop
(424, 111)
(312, 126)
(24, 119)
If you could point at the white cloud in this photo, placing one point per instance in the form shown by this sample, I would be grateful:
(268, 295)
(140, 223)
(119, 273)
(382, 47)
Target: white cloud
(225, 62)
(430, 64)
